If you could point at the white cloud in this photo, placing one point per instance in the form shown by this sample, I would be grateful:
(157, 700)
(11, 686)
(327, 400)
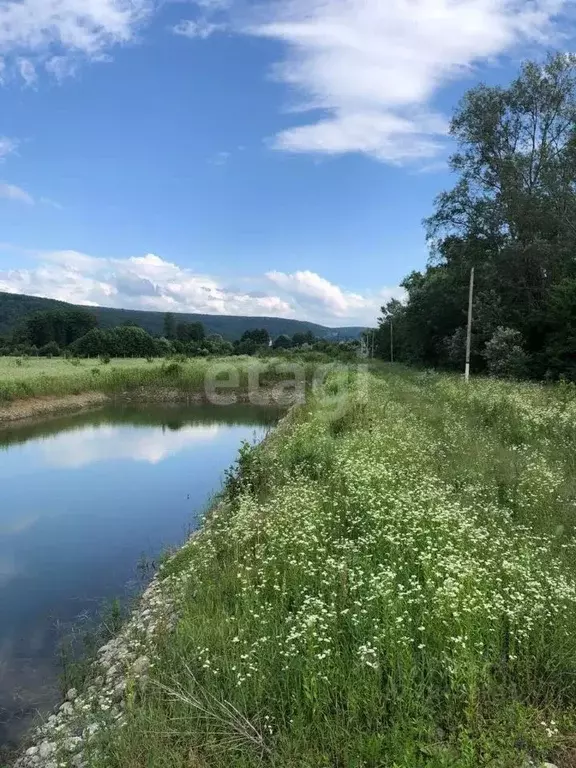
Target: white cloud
(61, 67)
(318, 297)
(143, 282)
(48, 31)
(213, 5)
(7, 146)
(52, 203)
(27, 71)
(202, 28)
(150, 282)
(93, 445)
(373, 67)
(12, 192)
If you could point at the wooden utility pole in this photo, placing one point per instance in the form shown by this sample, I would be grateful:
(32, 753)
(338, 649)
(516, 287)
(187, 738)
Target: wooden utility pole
(469, 333)
(391, 341)
(373, 338)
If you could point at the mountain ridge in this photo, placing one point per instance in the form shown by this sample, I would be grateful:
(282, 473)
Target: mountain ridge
(14, 307)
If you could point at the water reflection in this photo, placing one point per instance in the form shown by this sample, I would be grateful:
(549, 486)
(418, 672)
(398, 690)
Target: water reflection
(79, 449)
(81, 500)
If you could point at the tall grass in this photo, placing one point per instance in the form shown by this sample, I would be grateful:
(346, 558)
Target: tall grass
(391, 585)
(32, 377)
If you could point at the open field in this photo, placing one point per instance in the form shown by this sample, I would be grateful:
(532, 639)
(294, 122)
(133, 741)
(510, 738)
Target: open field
(389, 581)
(37, 377)
(28, 378)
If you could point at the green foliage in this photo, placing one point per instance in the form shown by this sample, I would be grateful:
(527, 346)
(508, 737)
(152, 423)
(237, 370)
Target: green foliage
(246, 347)
(388, 580)
(124, 341)
(49, 350)
(259, 336)
(510, 216)
(187, 332)
(299, 339)
(173, 368)
(246, 475)
(14, 308)
(169, 326)
(283, 342)
(61, 327)
(505, 354)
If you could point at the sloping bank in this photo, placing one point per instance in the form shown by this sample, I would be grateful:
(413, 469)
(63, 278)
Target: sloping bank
(365, 594)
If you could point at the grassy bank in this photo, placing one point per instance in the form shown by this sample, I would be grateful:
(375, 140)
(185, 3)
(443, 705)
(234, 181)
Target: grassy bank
(389, 583)
(22, 379)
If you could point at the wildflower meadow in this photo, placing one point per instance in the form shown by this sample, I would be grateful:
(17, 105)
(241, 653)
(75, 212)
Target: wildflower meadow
(389, 583)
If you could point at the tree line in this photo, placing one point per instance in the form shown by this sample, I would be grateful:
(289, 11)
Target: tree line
(512, 216)
(51, 333)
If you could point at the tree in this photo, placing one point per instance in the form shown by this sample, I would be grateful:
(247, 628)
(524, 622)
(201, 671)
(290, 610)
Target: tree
(505, 354)
(60, 326)
(259, 336)
(124, 341)
(49, 350)
(299, 339)
(561, 338)
(130, 341)
(282, 342)
(246, 347)
(93, 344)
(511, 215)
(190, 332)
(169, 326)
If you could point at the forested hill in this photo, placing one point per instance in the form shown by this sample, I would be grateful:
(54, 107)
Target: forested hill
(14, 307)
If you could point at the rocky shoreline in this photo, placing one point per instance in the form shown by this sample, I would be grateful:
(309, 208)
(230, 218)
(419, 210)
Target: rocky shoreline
(69, 738)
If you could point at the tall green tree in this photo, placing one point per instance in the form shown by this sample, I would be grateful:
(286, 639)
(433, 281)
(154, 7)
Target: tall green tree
(61, 326)
(190, 332)
(259, 336)
(169, 326)
(511, 215)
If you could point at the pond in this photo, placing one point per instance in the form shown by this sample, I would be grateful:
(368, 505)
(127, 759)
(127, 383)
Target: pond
(86, 504)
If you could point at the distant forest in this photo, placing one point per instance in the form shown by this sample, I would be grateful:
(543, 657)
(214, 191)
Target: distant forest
(65, 329)
(14, 308)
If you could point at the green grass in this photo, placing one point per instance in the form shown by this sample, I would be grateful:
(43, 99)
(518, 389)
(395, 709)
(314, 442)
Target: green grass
(389, 583)
(36, 377)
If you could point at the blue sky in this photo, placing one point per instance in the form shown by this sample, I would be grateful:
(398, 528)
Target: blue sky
(230, 157)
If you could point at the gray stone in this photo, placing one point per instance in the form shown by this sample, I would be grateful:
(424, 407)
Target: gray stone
(72, 694)
(31, 751)
(46, 749)
(72, 744)
(118, 692)
(92, 729)
(66, 708)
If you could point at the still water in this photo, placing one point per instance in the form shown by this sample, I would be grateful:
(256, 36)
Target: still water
(83, 501)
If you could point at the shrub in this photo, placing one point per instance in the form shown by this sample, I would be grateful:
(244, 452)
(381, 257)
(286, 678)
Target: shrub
(49, 350)
(172, 369)
(505, 355)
